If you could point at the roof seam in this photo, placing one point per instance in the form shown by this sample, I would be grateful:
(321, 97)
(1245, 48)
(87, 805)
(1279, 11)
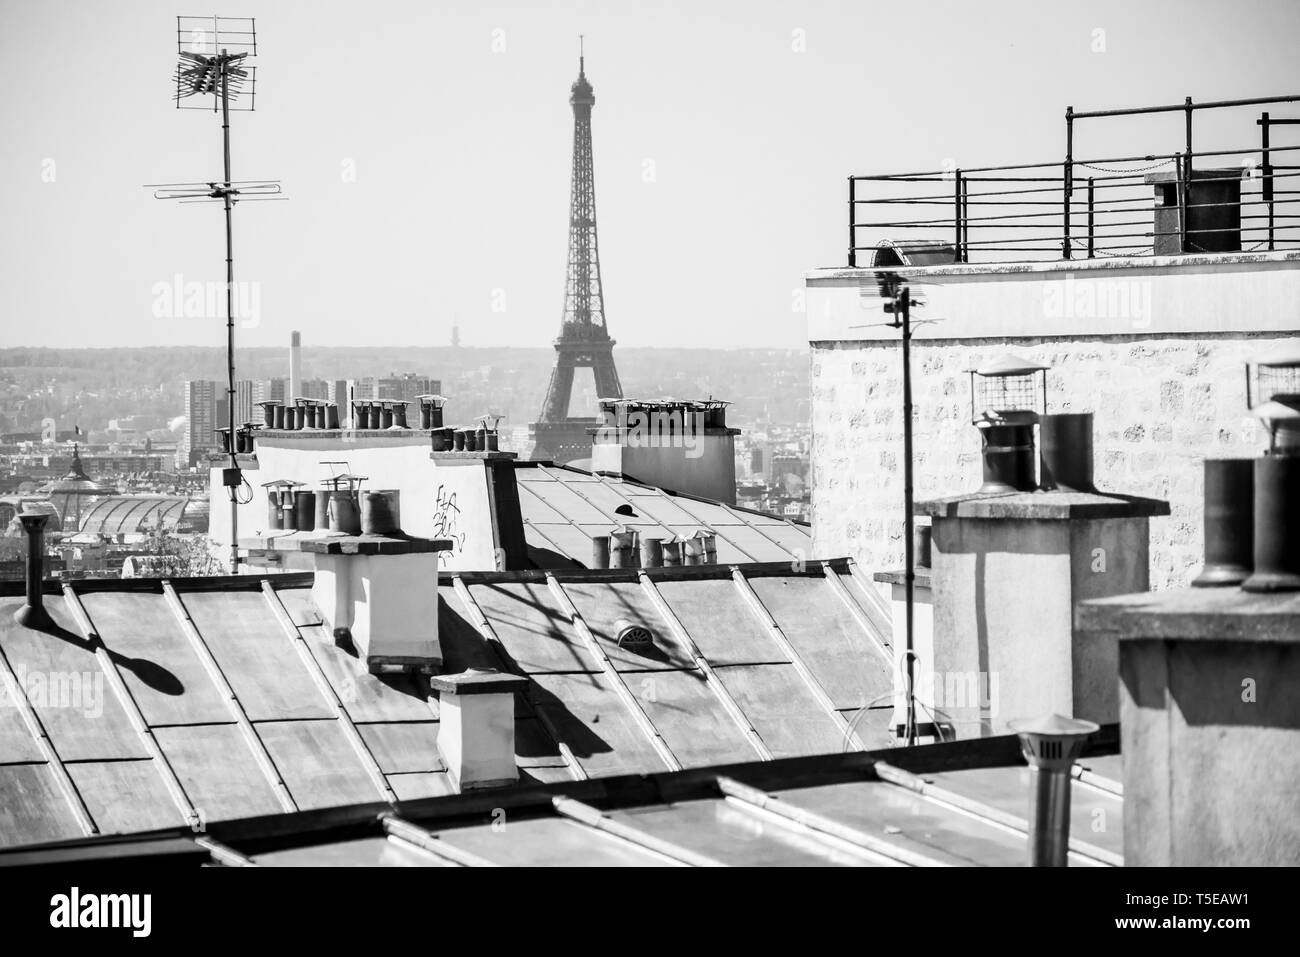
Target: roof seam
(494, 642)
(729, 704)
(621, 690)
(359, 746)
(856, 613)
(778, 635)
(36, 728)
(132, 708)
(261, 756)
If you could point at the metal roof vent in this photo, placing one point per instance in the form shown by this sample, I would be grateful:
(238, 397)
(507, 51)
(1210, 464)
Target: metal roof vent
(1050, 746)
(633, 636)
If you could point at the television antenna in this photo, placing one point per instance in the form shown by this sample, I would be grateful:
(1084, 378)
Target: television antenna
(215, 55)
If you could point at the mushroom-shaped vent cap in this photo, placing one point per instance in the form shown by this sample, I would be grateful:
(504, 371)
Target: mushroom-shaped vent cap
(1052, 742)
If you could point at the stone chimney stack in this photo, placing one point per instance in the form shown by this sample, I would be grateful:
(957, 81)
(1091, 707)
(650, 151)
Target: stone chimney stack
(476, 726)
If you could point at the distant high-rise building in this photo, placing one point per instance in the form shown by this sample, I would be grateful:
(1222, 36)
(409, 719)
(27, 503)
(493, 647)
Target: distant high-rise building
(201, 397)
(248, 393)
(455, 336)
(274, 390)
(406, 386)
(314, 389)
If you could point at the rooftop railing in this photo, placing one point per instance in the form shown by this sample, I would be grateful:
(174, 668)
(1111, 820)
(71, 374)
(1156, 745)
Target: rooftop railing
(1224, 200)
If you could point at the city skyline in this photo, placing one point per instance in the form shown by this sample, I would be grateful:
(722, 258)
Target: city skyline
(430, 190)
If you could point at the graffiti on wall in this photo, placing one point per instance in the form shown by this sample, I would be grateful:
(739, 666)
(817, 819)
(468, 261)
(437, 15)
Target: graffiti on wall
(446, 519)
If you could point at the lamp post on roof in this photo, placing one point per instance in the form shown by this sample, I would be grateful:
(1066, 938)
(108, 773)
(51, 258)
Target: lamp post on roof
(898, 303)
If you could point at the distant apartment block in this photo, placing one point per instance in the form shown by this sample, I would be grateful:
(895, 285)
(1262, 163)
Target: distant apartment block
(406, 386)
(200, 409)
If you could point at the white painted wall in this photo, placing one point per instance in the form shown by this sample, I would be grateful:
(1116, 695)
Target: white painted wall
(1248, 292)
(703, 464)
(443, 498)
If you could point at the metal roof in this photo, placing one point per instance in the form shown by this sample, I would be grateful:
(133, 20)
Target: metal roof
(956, 804)
(564, 507)
(210, 699)
(132, 514)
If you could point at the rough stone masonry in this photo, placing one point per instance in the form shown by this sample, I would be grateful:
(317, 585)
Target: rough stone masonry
(1162, 399)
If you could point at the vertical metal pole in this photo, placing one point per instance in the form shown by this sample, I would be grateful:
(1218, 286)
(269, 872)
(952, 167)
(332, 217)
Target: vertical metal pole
(1267, 168)
(1068, 179)
(965, 220)
(230, 310)
(956, 215)
(1092, 239)
(909, 522)
(853, 241)
(1187, 176)
(1180, 164)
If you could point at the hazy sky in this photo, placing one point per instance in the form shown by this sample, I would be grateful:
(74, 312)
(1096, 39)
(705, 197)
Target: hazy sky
(426, 148)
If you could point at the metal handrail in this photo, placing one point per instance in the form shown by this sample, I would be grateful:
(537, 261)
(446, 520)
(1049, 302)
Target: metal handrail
(1089, 199)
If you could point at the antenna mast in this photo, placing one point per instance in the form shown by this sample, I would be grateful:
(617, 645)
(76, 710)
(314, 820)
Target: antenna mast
(214, 60)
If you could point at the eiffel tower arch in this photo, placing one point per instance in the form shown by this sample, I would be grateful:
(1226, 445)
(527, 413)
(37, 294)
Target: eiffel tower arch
(584, 340)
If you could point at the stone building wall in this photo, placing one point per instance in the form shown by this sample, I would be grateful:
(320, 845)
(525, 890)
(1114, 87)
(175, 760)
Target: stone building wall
(1162, 403)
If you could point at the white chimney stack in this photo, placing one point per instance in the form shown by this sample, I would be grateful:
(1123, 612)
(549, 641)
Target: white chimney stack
(476, 726)
(378, 591)
(295, 366)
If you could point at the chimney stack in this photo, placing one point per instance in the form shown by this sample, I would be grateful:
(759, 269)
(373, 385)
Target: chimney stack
(295, 367)
(33, 613)
(476, 726)
(679, 444)
(375, 590)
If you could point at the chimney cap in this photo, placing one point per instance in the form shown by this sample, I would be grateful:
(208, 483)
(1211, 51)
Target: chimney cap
(1052, 724)
(478, 681)
(1052, 742)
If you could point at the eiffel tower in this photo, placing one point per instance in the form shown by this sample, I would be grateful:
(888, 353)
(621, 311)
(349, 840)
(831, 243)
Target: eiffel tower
(584, 340)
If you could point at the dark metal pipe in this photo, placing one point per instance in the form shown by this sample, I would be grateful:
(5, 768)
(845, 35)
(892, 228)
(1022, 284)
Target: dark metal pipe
(1068, 177)
(1229, 522)
(33, 614)
(1066, 457)
(304, 506)
(853, 239)
(1092, 221)
(1276, 525)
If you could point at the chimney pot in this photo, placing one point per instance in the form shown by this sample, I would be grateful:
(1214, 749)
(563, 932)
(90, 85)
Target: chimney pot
(33, 613)
(1276, 525)
(1229, 522)
(600, 551)
(1066, 456)
(652, 552)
